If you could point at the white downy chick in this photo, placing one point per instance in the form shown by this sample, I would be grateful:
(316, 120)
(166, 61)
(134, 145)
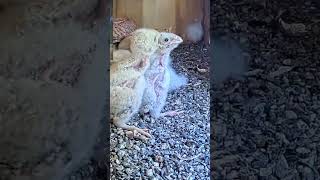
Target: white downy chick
(161, 78)
(119, 55)
(176, 80)
(127, 80)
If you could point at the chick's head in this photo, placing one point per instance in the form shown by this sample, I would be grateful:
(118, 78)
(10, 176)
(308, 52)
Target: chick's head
(144, 41)
(168, 41)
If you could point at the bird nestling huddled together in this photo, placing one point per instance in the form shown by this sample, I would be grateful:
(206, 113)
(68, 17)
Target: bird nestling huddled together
(141, 76)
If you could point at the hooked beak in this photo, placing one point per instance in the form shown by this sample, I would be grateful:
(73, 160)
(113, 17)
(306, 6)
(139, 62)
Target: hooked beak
(177, 40)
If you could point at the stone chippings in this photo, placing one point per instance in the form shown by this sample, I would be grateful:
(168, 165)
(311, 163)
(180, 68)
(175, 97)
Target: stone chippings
(180, 145)
(179, 148)
(266, 125)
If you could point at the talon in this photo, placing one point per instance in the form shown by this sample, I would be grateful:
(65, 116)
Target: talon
(134, 132)
(145, 133)
(141, 133)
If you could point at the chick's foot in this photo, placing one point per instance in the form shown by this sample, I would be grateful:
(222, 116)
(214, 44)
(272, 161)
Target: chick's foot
(139, 134)
(135, 131)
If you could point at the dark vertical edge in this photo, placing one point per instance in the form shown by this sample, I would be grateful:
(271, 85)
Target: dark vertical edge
(103, 9)
(109, 40)
(208, 31)
(102, 150)
(107, 119)
(206, 22)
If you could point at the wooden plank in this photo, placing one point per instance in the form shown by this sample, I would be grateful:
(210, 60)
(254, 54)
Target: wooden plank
(165, 14)
(131, 9)
(206, 22)
(114, 8)
(158, 14)
(179, 17)
(188, 12)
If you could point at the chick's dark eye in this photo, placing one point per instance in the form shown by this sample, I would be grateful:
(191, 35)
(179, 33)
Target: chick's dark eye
(166, 39)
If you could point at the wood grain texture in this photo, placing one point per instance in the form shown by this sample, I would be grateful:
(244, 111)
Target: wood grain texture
(175, 15)
(129, 8)
(188, 12)
(206, 22)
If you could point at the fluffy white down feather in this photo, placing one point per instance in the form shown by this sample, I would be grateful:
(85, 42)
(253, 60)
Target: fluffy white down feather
(161, 77)
(195, 32)
(176, 80)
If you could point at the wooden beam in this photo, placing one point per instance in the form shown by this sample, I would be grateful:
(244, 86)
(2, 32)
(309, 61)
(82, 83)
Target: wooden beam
(206, 22)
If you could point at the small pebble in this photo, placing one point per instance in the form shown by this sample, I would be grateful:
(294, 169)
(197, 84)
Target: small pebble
(149, 173)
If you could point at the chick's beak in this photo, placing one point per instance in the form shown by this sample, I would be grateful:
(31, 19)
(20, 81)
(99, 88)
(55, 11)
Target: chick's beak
(177, 40)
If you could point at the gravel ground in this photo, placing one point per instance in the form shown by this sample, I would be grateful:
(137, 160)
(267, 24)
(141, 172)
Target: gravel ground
(180, 146)
(266, 124)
